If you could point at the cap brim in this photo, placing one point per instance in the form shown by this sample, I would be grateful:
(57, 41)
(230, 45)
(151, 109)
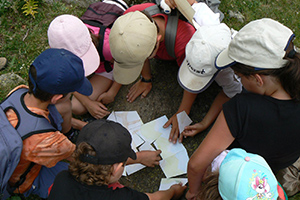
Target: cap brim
(91, 60)
(132, 155)
(191, 82)
(223, 60)
(126, 74)
(86, 88)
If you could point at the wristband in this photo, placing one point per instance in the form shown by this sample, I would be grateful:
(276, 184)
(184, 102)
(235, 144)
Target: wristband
(146, 80)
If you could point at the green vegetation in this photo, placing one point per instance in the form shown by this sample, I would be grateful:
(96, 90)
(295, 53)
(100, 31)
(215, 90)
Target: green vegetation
(23, 33)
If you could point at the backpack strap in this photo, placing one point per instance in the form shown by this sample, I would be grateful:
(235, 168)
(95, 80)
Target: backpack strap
(107, 65)
(11, 189)
(171, 29)
(153, 10)
(29, 123)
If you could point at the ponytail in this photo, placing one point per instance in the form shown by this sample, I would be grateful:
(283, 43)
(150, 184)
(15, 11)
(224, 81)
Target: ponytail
(289, 76)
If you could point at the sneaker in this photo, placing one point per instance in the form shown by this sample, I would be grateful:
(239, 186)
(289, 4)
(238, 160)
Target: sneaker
(3, 62)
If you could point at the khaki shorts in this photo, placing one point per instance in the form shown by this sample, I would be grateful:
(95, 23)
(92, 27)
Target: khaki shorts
(289, 178)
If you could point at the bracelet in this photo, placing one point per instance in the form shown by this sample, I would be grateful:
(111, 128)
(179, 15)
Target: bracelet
(146, 80)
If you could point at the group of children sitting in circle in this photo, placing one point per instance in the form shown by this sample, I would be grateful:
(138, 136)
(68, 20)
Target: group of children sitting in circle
(250, 152)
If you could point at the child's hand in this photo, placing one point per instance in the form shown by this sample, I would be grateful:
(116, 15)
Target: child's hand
(171, 3)
(190, 131)
(178, 190)
(174, 134)
(97, 109)
(106, 98)
(149, 158)
(139, 88)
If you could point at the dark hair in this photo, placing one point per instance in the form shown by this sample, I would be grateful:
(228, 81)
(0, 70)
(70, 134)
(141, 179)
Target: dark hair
(87, 173)
(39, 94)
(288, 76)
(95, 38)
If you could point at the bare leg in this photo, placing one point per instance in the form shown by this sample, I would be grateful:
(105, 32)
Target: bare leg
(100, 85)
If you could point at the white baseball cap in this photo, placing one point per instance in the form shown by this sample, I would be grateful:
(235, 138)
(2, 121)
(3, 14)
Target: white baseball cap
(197, 71)
(132, 40)
(69, 32)
(261, 44)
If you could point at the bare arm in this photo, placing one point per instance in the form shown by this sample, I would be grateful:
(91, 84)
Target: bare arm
(96, 109)
(209, 118)
(147, 158)
(110, 95)
(217, 140)
(174, 192)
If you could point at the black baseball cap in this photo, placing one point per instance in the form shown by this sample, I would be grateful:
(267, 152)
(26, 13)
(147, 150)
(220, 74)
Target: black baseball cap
(110, 140)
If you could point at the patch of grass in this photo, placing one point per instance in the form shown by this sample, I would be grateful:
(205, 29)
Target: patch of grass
(23, 38)
(285, 11)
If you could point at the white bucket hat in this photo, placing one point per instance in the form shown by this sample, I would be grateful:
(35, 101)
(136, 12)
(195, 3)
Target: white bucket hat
(197, 71)
(261, 44)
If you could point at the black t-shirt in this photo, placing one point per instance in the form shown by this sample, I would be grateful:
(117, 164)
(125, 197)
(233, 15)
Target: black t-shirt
(66, 187)
(265, 126)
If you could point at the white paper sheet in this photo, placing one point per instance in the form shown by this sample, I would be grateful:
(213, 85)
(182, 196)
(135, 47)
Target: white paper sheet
(168, 148)
(175, 165)
(166, 183)
(183, 120)
(153, 129)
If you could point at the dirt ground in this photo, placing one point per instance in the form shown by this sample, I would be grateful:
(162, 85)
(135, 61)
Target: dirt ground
(164, 99)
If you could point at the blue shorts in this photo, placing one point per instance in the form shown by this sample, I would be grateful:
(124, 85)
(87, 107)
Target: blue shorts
(45, 179)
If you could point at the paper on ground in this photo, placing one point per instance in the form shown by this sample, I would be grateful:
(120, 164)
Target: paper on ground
(129, 119)
(183, 120)
(175, 165)
(130, 169)
(166, 183)
(132, 122)
(168, 148)
(154, 129)
(112, 117)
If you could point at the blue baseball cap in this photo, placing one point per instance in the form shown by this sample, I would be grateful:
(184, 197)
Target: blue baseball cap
(58, 71)
(245, 175)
